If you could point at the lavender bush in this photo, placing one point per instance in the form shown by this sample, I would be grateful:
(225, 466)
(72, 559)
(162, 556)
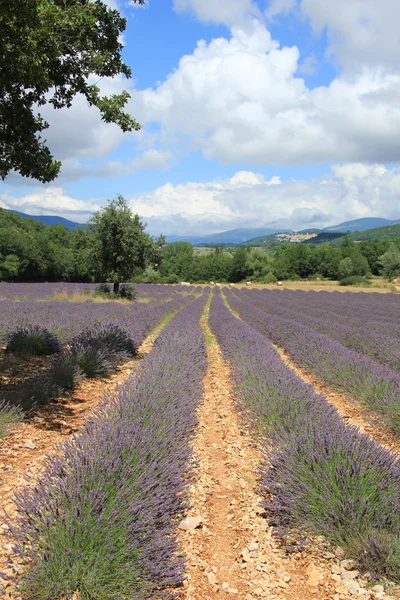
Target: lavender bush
(32, 340)
(102, 517)
(97, 352)
(9, 414)
(324, 477)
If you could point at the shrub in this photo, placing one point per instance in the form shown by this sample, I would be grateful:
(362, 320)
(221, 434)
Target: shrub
(355, 280)
(315, 277)
(270, 278)
(33, 340)
(90, 360)
(33, 391)
(150, 275)
(65, 372)
(102, 290)
(173, 278)
(127, 292)
(96, 352)
(8, 414)
(109, 336)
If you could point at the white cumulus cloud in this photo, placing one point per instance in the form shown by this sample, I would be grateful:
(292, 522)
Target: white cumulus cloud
(247, 199)
(226, 12)
(242, 100)
(360, 32)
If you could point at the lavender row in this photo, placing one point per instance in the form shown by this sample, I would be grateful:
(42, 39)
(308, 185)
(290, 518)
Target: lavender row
(349, 308)
(364, 379)
(102, 518)
(323, 477)
(372, 340)
(67, 319)
(46, 291)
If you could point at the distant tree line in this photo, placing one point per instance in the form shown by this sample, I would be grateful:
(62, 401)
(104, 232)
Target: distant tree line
(114, 247)
(288, 261)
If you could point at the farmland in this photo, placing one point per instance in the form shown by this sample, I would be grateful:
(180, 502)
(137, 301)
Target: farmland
(199, 442)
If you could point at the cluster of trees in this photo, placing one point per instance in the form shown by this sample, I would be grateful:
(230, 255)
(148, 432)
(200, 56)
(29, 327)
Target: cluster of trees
(288, 261)
(115, 247)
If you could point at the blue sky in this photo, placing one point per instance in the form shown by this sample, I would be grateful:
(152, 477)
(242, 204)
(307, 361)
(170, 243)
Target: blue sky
(252, 113)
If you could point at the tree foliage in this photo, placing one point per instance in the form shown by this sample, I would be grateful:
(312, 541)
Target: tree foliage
(115, 247)
(48, 51)
(390, 262)
(118, 242)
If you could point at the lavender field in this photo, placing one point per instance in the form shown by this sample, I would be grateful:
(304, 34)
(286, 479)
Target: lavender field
(103, 518)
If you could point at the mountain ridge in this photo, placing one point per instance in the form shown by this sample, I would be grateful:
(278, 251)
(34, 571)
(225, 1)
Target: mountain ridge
(50, 220)
(249, 236)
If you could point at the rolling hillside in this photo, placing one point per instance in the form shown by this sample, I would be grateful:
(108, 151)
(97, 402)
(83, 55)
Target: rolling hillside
(50, 220)
(361, 224)
(390, 232)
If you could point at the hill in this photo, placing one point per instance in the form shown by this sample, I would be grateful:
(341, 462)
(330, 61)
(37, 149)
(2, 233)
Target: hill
(361, 224)
(50, 220)
(390, 232)
(270, 241)
(232, 236)
(324, 237)
(368, 228)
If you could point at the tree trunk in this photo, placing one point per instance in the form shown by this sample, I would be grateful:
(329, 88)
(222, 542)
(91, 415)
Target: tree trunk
(116, 287)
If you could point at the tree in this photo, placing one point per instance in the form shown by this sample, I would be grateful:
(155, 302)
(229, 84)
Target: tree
(259, 263)
(240, 271)
(360, 263)
(345, 268)
(119, 244)
(177, 262)
(327, 260)
(48, 51)
(390, 262)
(9, 267)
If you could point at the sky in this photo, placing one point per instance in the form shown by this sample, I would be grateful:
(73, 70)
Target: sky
(282, 113)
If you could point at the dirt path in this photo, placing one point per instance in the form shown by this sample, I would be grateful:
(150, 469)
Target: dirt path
(352, 411)
(229, 544)
(25, 447)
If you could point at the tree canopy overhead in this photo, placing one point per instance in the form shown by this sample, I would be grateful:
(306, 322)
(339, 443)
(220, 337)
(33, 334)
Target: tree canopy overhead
(48, 50)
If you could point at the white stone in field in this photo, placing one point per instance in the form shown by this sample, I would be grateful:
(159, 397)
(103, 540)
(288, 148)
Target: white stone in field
(314, 577)
(378, 588)
(352, 586)
(253, 547)
(212, 578)
(30, 445)
(191, 523)
(347, 575)
(348, 564)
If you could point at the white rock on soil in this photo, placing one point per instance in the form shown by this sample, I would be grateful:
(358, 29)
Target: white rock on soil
(212, 578)
(191, 523)
(314, 578)
(347, 575)
(348, 564)
(30, 445)
(352, 586)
